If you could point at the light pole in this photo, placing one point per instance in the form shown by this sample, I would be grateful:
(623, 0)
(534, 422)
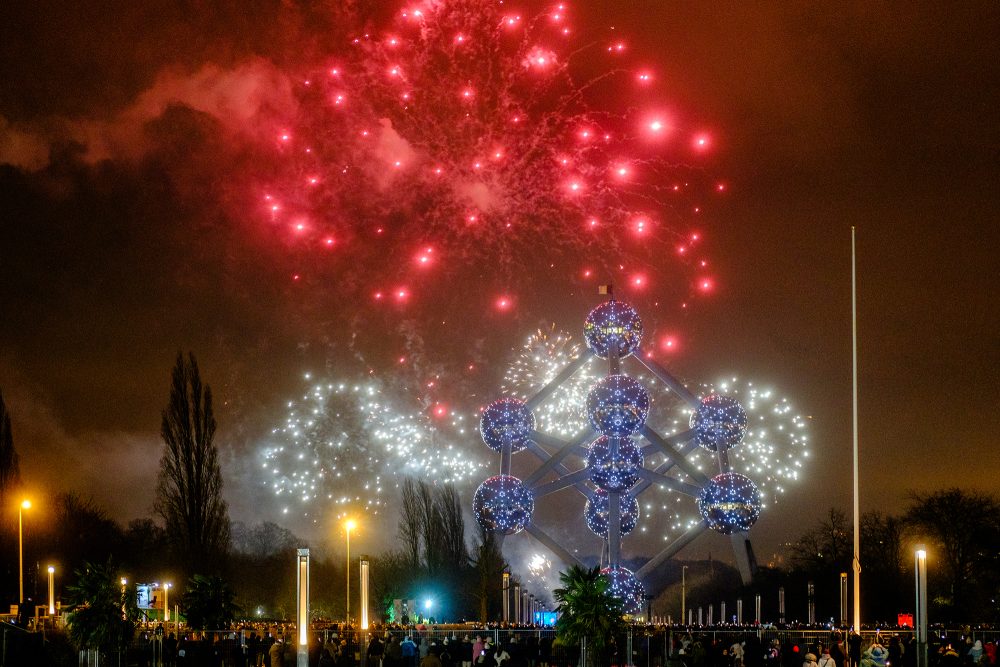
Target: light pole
(349, 526)
(52, 591)
(166, 602)
(921, 604)
(25, 505)
(683, 591)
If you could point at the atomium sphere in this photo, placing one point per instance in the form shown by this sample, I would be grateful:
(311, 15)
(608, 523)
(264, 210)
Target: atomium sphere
(503, 504)
(625, 587)
(614, 463)
(719, 422)
(597, 512)
(617, 406)
(730, 503)
(613, 328)
(506, 420)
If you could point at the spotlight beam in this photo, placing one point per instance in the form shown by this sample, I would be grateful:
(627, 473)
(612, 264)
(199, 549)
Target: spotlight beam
(673, 454)
(671, 550)
(666, 378)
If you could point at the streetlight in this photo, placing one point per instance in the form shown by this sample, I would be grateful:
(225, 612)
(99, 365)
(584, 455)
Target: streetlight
(52, 591)
(921, 604)
(25, 505)
(166, 602)
(349, 526)
(683, 590)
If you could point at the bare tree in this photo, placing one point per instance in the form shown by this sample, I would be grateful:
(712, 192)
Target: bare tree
(10, 468)
(489, 565)
(431, 528)
(409, 523)
(455, 552)
(189, 493)
(964, 533)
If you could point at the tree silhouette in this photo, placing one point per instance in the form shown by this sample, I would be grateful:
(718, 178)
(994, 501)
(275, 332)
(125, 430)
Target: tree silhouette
(10, 469)
(103, 613)
(963, 532)
(587, 609)
(189, 494)
(209, 603)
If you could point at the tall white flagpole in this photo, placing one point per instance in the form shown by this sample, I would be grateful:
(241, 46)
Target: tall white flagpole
(857, 513)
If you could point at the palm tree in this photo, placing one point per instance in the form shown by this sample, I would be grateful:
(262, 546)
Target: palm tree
(209, 603)
(587, 610)
(104, 613)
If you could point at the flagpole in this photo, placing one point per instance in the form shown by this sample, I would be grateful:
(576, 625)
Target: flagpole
(856, 563)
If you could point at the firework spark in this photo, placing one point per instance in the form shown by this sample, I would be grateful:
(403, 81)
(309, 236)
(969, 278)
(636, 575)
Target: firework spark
(546, 352)
(462, 132)
(346, 444)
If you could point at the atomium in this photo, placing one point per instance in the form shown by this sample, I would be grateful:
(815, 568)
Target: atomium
(506, 420)
(614, 463)
(614, 460)
(730, 503)
(503, 504)
(624, 586)
(720, 422)
(617, 406)
(613, 328)
(597, 512)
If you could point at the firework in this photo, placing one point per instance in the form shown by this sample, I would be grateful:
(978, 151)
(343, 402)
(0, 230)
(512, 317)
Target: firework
(347, 444)
(546, 352)
(465, 132)
(772, 453)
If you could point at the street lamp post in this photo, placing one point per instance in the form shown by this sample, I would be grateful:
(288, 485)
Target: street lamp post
(25, 505)
(683, 591)
(921, 605)
(349, 526)
(52, 591)
(166, 603)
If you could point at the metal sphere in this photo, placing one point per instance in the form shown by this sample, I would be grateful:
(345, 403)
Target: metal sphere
(506, 421)
(624, 586)
(613, 327)
(617, 406)
(597, 512)
(720, 422)
(614, 463)
(730, 503)
(503, 504)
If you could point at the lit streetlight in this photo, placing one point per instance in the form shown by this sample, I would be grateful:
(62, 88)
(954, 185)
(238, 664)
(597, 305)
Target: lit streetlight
(921, 604)
(52, 591)
(25, 505)
(166, 602)
(349, 525)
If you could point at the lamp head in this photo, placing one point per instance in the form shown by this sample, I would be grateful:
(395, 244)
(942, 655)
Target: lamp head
(51, 569)
(26, 504)
(350, 525)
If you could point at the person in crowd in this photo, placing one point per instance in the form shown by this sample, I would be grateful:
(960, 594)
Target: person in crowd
(809, 660)
(826, 660)
(976, 653)
(408, 650)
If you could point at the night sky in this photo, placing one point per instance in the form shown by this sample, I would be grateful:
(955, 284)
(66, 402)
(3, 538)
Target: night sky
(131, 135)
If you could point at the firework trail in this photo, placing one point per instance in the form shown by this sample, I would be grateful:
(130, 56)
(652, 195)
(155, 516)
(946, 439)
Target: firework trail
(347, 445)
